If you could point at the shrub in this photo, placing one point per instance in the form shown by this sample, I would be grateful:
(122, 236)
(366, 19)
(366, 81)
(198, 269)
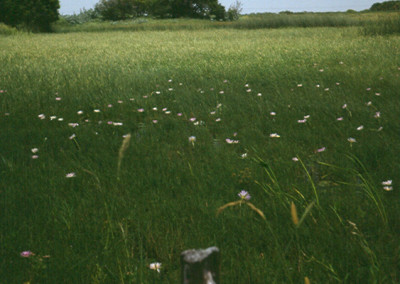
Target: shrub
(34, 15)
(7, 30)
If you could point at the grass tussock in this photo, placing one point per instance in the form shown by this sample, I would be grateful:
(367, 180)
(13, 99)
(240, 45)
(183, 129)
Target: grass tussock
(385, 26)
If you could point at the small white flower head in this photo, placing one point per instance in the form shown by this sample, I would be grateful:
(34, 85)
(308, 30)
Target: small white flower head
(244, 155)
(73, 124)
(321, 70)
(53, 117)
(344, 106)
(192, 119)
(72, 136)
(140, 110)
(377, 94)
(34, 157)
(221, 92)
(326, 89)
(109, 105)
(244, 195)
(299, 85)
(274, 135)
(96, 110)
(388, 188)
(34, 150)
(295, 159)
(219, 105)
(231, 141)
(155, 121)
(248, 90)
(272, 113)
(155, 108)
(369, 103)
(170, 89)
(351, 140)
(337, 83)
(192, 139)
(387, 182)
(307, 116)
(118, 123)
(158, 92)
(41, 116)
(318, 85)
(60, 119)
(26, 253)
(196, 123)
(179, 114)
(58, 99)
(380, 128)
(218, 120)
(120, 102)
(80, 112)
(321, 149)
(155, 266)
(339, 118)
(302, 121)
(212, 113)
(164, 109)
(259, 95)
(361, 127)
(377, 114)
(368, 89)
(247, 85)
(70, 175)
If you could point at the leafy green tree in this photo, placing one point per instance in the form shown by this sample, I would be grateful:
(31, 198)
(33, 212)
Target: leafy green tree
(386, 6)
(120, 9)
(124, 9)
(36, 15)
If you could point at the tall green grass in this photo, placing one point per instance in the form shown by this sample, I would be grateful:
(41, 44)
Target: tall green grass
(385, 26)
(377, 22)
(96, 209)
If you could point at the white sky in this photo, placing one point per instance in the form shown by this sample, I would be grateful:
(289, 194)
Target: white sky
(254, 6)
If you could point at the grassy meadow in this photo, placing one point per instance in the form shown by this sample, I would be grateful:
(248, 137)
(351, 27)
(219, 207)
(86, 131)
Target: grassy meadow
(118, 148)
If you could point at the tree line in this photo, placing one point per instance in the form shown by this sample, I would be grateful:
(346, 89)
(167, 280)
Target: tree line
(38, 15)
(386, 6)
(125, 9)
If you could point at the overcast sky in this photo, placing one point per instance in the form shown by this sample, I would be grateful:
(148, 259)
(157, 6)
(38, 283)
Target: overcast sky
(254, 6)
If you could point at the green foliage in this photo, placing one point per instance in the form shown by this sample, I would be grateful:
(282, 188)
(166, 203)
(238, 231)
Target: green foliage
(7, 30)
(84, 16)
(386, 6)
(119, 9)
(33, 15)
(125, 9)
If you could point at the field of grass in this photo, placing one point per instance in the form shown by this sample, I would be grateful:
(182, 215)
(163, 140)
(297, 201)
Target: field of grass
(306, 120)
